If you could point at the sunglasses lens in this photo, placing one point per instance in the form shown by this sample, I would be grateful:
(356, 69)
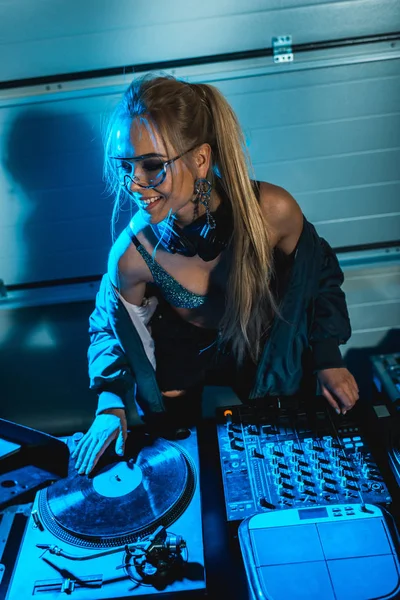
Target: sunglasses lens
(153, 171)
(146, 173)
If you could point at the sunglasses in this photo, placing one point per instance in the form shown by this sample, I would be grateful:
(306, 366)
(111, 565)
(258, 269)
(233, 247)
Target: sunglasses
(146, 172)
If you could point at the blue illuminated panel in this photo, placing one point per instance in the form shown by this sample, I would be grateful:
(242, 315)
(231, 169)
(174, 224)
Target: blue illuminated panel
(313, 513)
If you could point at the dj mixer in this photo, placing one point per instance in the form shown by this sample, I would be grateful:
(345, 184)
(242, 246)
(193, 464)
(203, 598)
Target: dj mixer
(294, 458)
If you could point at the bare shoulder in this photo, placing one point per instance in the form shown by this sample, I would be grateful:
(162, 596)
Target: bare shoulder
(126, 268)
(283, 214)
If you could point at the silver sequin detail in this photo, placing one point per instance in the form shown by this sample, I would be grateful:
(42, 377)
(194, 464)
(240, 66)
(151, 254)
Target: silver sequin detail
(173, 291)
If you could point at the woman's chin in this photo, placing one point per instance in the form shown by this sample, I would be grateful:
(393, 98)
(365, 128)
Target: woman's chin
(154, 213)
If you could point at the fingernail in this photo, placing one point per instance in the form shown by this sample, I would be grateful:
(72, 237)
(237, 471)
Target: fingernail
(337, 410)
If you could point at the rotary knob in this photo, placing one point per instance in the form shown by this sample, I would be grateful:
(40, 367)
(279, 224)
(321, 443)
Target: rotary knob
(308, 444)
(289, 446)
(270, 448)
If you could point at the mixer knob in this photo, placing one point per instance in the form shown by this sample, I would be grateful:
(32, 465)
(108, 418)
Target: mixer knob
(320, 475)
(308, 443)
(301, 486)
(294, 459)
(274, 460)
(280, 489)
(343, 481)
(234, 445)
(270, 448)
(328, 441)
(289, 446)
(314, 456)
(228, 418)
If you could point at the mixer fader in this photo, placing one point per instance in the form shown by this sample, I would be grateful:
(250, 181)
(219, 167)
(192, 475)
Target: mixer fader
(286, 459)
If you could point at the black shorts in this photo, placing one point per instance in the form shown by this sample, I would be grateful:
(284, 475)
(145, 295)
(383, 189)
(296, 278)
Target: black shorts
(184, 352)
(188, 356)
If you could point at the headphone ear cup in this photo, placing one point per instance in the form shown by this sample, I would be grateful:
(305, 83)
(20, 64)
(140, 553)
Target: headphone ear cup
(181, 243)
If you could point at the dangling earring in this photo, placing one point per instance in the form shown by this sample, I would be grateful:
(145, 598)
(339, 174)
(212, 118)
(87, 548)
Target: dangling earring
(202, 189)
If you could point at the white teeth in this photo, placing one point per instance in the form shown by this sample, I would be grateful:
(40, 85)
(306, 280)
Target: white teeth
(150, 200)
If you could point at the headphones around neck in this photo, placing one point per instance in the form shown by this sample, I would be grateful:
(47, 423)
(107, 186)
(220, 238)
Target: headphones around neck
(198, 237)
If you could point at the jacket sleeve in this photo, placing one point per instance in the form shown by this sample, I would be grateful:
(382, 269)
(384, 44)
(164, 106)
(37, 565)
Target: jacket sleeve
(330, 325)
(109, 372)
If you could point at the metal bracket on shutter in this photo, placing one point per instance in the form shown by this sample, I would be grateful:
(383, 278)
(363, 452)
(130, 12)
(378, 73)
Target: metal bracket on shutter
(282, 48)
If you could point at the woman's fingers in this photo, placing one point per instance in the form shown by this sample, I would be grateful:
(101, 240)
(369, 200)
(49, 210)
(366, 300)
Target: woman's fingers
(330, 399)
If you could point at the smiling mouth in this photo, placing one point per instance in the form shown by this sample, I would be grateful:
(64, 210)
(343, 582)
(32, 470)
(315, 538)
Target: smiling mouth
(145, 202)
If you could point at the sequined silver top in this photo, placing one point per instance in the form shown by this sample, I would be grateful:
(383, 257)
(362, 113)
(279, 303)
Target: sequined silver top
(173, 291)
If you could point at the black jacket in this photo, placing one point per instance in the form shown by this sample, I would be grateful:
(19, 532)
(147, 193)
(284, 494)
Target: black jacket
(313, 318)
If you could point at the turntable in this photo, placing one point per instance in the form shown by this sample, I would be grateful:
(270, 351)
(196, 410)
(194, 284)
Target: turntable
(132, 530)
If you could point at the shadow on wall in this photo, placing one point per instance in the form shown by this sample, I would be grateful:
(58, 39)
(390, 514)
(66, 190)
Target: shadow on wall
(359, 363)
(54, 163)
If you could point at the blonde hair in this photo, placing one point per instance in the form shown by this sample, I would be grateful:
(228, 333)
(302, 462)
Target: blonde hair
(187, 115)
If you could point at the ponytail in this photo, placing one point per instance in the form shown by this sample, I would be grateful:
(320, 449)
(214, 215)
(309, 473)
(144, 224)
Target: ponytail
(250, 305)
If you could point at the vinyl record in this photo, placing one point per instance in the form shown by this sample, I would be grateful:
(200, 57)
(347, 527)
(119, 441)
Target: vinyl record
(124, 501)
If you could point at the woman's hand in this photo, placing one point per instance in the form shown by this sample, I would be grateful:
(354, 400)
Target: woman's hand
(108, 426)
(339, 387)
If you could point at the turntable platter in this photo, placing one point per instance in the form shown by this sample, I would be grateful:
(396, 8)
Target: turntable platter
(126, 500)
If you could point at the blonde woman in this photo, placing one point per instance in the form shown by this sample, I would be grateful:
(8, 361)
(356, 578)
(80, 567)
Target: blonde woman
(244, 283)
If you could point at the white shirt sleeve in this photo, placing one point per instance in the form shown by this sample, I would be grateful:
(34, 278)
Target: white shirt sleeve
(140, 316)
